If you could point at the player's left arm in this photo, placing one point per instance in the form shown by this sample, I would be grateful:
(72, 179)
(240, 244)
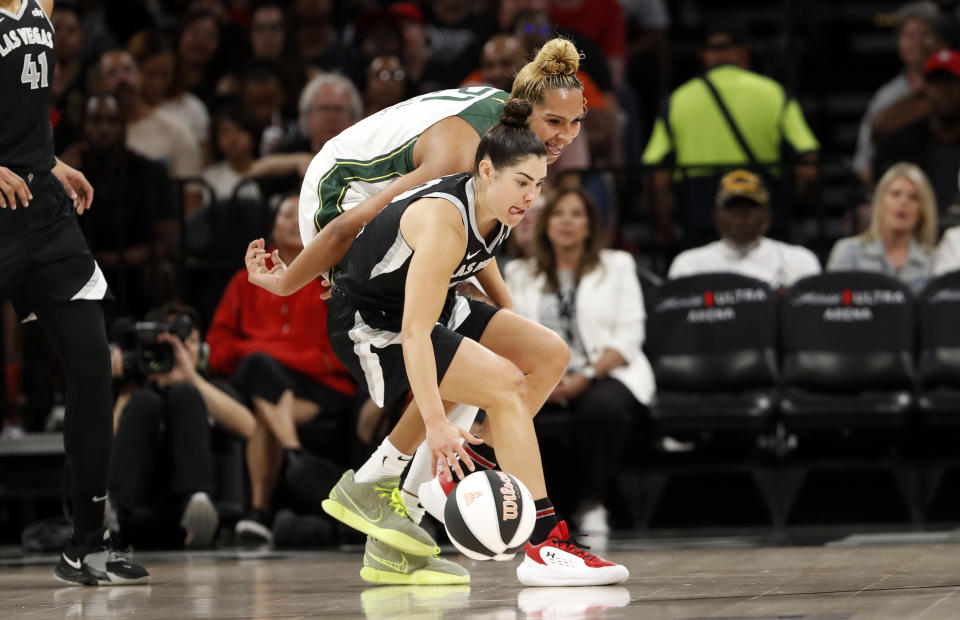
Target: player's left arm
(47, 6)
(76, 185)
(493, 285)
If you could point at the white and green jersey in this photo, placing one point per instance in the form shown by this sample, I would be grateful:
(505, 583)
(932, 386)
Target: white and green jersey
(367, 156)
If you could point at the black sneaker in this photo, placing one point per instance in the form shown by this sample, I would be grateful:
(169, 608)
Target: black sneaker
(95, 562)
(254, 528)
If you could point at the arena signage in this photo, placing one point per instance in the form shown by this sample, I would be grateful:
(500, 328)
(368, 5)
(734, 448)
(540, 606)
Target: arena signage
(712, 306)
(709, 299)
(850, 306)
(848, 297)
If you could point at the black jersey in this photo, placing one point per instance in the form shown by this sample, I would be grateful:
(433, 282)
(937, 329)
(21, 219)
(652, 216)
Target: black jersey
(26, 74)
(373, 274)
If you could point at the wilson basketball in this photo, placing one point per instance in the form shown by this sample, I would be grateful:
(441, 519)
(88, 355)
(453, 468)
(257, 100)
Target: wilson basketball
(489, 515)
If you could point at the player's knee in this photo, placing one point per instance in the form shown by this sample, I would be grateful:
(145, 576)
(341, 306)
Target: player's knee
(512, 389)
(558, 355)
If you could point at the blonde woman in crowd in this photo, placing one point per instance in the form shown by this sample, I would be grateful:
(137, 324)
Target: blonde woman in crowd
(902, 234)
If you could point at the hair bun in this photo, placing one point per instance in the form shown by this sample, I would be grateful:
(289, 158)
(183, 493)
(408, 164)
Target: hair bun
(515, 113)
(558, 57)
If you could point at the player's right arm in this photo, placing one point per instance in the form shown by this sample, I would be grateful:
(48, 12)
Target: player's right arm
(12, 186)
(433, 228)
(447, 147)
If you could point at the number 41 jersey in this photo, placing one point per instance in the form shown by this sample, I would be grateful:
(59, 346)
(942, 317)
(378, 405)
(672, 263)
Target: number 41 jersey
(26, 74)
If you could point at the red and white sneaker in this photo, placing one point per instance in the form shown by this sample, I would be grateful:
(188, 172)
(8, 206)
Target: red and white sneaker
(558, 561)
(433, 495)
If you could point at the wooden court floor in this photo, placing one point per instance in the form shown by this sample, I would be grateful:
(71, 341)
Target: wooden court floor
(911, 578)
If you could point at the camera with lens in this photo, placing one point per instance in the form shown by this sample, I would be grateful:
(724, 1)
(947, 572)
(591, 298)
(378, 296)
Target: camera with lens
(143, 354)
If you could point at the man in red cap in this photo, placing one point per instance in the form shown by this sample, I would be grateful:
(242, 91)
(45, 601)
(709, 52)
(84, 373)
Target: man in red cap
(933, 143)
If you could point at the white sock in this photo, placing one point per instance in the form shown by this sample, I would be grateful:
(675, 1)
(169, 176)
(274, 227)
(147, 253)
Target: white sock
(421, 470)
(385, 462)
(413, 505)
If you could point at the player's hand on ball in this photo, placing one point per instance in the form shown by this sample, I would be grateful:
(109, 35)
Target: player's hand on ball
(444, 442)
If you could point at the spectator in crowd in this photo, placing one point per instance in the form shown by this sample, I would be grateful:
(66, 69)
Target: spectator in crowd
(742, 217)
(932, 143)
(69, 87)
(269, 38)
(648, 54)
(316, 36)
(150, 133)
(416, 51)
(234, 138)
(918, 36)
(162, 480)
(903, 230)
(600, 20)
(329, 104)
(277, 353)
(162, 90)
(591, 298)
(693, 133)
(197, 46)
(133, 233)
(386, 84)
(455, 33)
(264, 96)
(269, 41)
(378, 33)
(503, 56)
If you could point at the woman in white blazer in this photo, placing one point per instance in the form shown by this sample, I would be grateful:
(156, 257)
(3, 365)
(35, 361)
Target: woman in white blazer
(592, 298)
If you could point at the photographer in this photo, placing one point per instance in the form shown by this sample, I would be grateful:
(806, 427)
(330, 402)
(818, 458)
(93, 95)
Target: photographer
(162, 476)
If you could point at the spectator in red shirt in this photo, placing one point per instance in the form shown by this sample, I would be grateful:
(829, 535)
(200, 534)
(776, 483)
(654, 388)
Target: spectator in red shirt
(277, 352)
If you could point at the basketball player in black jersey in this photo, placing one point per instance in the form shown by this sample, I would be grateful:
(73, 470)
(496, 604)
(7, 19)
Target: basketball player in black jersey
(49, 272)
(395, 323)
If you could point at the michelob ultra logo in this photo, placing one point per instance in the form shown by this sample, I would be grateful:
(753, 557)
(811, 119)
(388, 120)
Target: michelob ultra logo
(712, 306)
(848, 305)
(710, 299)
(850, 297)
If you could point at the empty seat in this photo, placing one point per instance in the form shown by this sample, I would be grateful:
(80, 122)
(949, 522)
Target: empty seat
(847, 351)
(712, 340)
(939, 370)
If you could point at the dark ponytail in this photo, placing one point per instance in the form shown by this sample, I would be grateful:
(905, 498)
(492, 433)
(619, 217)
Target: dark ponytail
(510, 140)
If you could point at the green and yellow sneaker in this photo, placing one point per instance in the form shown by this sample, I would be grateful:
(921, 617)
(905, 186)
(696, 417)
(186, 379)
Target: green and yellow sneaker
(384, 564)
(376, 509)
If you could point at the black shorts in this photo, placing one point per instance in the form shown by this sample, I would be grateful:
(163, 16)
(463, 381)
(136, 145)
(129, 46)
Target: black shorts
(368, 342)
(44, 258)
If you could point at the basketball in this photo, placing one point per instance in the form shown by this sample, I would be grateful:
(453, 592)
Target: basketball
(489, 515)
